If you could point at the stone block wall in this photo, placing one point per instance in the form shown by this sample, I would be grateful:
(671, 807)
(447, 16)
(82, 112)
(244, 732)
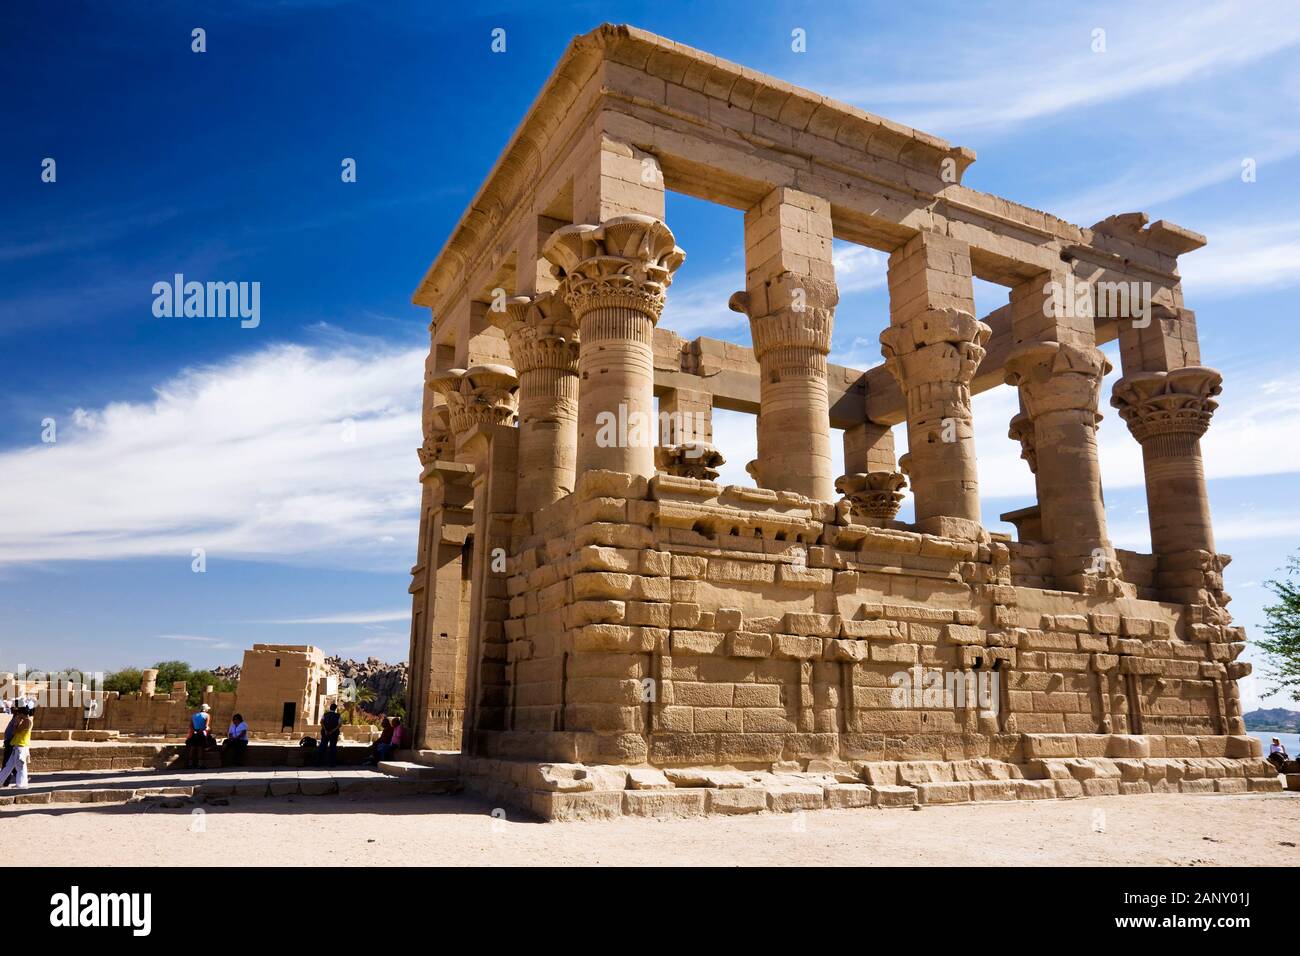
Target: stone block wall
(676, 622)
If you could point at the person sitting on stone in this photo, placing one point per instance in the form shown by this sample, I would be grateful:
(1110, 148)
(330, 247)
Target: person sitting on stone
(380, 748)
(198, 739)
(235, 747)
(399, 734)
(1277, 754)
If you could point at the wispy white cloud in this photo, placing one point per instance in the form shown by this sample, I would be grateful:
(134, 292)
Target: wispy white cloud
(698, 306)
(214, 643)
(997, 78)
(286, 453)
(352, 617)
(1241, 258)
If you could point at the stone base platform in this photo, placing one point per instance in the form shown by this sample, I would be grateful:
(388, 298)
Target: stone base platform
(1054, 767)
(61, 755)
(137, 786)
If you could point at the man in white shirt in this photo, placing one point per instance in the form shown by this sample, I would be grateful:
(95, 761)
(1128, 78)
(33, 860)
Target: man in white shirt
(235, 747)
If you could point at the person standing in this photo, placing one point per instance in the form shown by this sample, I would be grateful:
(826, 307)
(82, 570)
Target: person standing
(331, 725)
(21, 742)
(198, 740)
(10, 728)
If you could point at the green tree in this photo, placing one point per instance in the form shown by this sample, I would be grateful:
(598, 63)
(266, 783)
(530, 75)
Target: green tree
(353, 712)
(1282, 646)
(125, 681)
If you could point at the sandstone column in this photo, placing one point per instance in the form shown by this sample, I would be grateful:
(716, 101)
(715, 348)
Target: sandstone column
(1059, 385)
(481, 411)
(872, 486)
(1168, 412)
(614, 277)
(543, 339)
(933, 346)
(790, 298)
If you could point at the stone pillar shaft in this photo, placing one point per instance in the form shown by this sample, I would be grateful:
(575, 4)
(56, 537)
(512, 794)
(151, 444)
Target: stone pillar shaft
(613, 277)
(933, 346)
(1168, 412)
(1059, 385)
(616, 407)
(544, 348)
(790, 298)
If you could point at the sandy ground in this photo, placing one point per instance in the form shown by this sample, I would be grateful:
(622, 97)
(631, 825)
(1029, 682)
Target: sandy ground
(461, 831)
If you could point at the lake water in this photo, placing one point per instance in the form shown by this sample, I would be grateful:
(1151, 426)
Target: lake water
(1290, 741)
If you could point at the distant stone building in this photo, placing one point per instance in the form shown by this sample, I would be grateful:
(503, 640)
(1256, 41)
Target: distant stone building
(592, 613)
(284, 687)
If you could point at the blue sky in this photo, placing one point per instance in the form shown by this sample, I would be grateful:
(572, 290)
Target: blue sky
(286, 451)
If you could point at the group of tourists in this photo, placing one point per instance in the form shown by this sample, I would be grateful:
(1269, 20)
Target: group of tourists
(233, 749)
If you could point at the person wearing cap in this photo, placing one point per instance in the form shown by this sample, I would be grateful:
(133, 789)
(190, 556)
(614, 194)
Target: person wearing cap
(16, 764)
(198, 739)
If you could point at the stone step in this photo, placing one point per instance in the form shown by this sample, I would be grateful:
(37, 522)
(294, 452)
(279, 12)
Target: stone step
(238, 785)
(409, 770)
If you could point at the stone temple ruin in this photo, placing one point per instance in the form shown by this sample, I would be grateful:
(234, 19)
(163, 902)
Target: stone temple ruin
(601, 628)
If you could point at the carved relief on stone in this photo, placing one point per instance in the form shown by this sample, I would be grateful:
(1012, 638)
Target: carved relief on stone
(1022, 430)
(483, 395)
(873, 495)
(627, 261)
(689, 461)
(438, 443)
(1169, 410)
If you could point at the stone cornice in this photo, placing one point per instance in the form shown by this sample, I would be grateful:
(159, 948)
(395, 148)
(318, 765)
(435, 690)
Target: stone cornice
(631, 53)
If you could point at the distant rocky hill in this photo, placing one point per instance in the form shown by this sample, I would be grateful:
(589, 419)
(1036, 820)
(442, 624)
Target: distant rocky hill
(386, 680)
(1275, 718)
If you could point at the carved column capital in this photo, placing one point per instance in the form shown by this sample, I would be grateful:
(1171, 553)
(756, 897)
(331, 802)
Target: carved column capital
(689, 461)
(1053, 377)
(797, 321)
(939, 345)
(438, 442)
(625, 262)
(1168, 412)
(873, 495)
(483, 395)
(541, 331)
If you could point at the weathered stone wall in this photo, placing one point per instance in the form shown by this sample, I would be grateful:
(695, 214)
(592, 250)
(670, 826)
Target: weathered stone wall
(678, 622)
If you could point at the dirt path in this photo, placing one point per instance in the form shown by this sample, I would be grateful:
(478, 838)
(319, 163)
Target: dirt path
(458, 831)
